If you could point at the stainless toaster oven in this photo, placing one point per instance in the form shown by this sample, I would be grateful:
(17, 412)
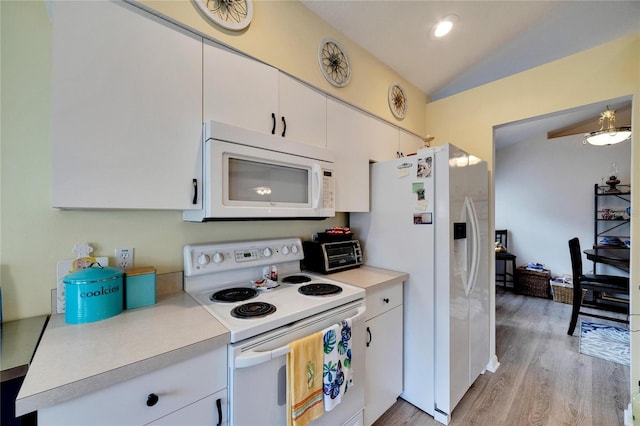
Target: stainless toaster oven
(327, 257)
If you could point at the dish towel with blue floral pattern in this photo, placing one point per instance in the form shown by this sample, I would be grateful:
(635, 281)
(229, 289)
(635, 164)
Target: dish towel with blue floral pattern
(337, 375)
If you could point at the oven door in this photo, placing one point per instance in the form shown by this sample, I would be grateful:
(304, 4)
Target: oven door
(257, 376)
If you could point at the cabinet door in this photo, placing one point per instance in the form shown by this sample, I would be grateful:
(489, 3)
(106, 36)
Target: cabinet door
(145, 398)
(239, 90)
(305, 112)
(205, 412)
(382, 139)
(126, 108)
(346, 130)
(409, 143)
(383, 363)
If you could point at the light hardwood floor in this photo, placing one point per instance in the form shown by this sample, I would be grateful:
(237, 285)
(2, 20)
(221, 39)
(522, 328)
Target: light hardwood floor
(542, 379)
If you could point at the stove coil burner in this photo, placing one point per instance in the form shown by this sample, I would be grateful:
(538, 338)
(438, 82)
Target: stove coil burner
(253, 310)
(319, 289)
(235, 294)
(296, 279)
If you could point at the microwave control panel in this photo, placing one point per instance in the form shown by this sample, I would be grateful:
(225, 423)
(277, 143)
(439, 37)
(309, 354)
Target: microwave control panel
(328, 189)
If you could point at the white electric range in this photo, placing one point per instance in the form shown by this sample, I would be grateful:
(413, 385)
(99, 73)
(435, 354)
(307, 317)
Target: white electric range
(263, 317)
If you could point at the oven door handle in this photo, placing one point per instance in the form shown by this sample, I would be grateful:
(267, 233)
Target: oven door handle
(251, 358)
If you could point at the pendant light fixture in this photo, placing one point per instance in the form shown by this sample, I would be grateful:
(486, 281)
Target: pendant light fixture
(608, 134)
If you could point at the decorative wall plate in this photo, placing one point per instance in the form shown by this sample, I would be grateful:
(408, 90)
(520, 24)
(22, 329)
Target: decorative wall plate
(230, 14)
(397, 101)
(334, 62)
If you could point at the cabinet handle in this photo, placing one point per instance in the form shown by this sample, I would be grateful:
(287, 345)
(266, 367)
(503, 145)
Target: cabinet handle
(370, 337)
(152, 400)
(194, 184)
(219, 406)
(273, 120)
(385, 300)
(284, 126)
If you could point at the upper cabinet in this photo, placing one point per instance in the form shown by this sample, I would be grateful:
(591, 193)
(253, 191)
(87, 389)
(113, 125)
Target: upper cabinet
(249, 94)
(239, 90)
(347, 130)
(126, 108)
(387, 142)
(304, 110)
(409, 143)
(130, 92)
(382, 140)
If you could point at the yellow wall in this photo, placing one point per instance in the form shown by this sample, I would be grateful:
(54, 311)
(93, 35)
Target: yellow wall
(607, 72)
(286, 35)
(33, 236)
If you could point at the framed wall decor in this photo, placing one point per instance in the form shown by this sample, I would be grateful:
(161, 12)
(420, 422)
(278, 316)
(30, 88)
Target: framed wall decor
(397, 101)
(334, 62)
(230, 14)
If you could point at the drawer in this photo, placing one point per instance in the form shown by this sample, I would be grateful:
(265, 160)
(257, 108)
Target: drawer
(203, 412)
(175, 386)
(382, 299)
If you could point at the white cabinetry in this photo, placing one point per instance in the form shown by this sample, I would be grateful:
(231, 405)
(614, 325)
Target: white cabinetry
(126, 108)
(382, 139)
(409, 143)
(386, 141)
(250, 94)
(305, 111)
(384, 349)
(238, 90)
(184, 393)
(347, 130)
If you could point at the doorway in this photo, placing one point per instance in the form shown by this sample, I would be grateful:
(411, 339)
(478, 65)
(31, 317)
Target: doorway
(544, 188)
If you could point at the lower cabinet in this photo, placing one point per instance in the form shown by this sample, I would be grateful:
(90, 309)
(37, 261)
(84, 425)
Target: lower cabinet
(384, 327)
(183, 393)
(208, 411)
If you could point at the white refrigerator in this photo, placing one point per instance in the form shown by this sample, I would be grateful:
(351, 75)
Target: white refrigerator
(429, 217)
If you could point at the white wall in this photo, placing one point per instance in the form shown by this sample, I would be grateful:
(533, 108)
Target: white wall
(544, 196)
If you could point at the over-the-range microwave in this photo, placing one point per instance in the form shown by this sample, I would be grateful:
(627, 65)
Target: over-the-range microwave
(251, 175)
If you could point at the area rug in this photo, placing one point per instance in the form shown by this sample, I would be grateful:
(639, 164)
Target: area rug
(605, 341)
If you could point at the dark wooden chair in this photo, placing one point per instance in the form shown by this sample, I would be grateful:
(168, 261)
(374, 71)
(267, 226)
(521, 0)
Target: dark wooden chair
(598, 285)
(503, 260)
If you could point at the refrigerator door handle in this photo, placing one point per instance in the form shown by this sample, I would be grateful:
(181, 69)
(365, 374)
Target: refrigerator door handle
(475, 241)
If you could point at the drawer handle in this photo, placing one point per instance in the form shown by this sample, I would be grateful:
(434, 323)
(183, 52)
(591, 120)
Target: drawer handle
(386, 300)
(152, 400)
(370, 337)
(219, 406)
(284, 126)
(273, 120)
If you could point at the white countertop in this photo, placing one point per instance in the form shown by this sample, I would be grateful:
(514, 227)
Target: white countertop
(368, 277)
(75, 359)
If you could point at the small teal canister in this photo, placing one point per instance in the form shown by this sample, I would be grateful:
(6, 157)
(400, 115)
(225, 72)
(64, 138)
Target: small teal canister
(93, 294)
(140, 287)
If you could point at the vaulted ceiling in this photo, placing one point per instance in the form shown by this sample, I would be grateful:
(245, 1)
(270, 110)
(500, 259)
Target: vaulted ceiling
(491, 40)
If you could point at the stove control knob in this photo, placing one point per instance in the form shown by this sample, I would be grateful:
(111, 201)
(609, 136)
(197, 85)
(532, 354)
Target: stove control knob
(218, 257)
(294, 249)
(285, 250)
(267, 252)
(203, 259)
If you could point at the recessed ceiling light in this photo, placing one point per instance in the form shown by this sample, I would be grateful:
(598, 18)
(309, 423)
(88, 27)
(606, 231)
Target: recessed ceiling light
(443, 26)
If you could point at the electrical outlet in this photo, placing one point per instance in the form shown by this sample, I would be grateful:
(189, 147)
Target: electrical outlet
(124, 258)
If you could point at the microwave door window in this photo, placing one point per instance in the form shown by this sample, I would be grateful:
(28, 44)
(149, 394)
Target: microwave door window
(253, 181)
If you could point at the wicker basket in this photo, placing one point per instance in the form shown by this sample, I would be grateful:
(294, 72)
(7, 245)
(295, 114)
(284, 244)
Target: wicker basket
(533, 283)
(563, 292)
